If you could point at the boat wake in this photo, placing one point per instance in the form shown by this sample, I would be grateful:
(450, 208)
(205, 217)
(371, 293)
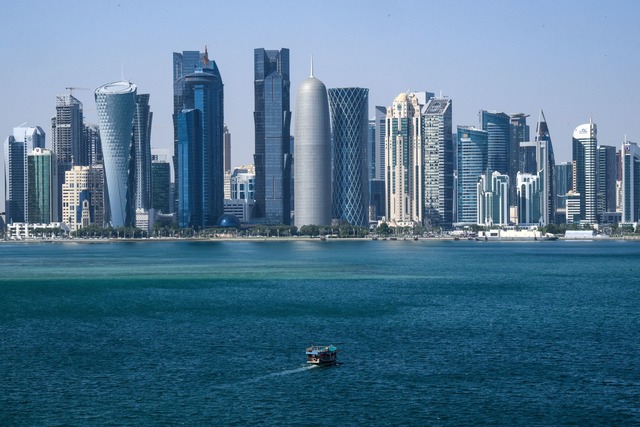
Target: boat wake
(268, 376)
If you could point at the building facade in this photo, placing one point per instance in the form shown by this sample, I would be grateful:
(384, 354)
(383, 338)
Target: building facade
(142, 119)
(404, 176)
(492, 195)
(312, 154)
(585, 160)
(349, 109)
(630, 182)
(438, 162)
(116, 104)
(530, 199)
(160, 185)
(15, 169)
(42, 187)
(607, 178)
(201, 143)
(472, 162)
(272, 119)
(83, 197)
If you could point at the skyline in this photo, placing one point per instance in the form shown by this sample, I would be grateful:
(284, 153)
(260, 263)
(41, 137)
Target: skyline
(498, 56)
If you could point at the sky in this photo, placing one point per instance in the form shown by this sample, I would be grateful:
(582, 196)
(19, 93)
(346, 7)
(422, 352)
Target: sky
(572, 59)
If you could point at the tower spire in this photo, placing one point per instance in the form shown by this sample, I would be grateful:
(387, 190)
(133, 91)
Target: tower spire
(311, 76)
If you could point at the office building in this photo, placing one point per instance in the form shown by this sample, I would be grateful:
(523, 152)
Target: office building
(34, 137)
(529, 199)
(184, 63)
(376, 199)
(116, 103)
(378, 153)
(83, 197)
(142, 118)
(15, 169)
(492, 195)
(438, 162)
(546, 169)
(272, 119)
(42, 187)
(404, 193)
(472, 162)
(160, 185)
(91, 135)
(243, 183)
(564, 183)
(630, 182)
(227, 149)
(66, 133)
(606, 176)
(585, 171)
(519, 134)
(312, 154)
(498, 128)
(200, 171)
(349, 109)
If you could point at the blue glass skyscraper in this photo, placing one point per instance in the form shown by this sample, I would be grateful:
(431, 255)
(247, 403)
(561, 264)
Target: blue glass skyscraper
(115, 104)
(272, 119)
(142, 151)
(15, 169)
(472, 162)
(201, 172)
(349, 123)
(498, 130)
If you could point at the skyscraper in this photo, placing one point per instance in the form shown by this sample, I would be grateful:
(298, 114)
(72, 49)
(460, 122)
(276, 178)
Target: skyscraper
(493, 199)
(585, 171)
(184, 63)
(379, 152)
(34, 137)
(349, 109)
(438, 162)
(42, 187)
(472, 162)
(91, 136)
(606, 176)
(272, 119)
(116, 103)
(142, 151)
(630, 182)
(563, 178)
(312, 154)
(546, 169)
(66, 133)
(519, 133)
(201, 147)
(529, 199)
(404, 161)
(160, 185)
(83, 197)
(227, 149)
(498, 130)
(15, 169)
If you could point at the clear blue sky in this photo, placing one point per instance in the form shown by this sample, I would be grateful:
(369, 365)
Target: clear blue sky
(570, 58)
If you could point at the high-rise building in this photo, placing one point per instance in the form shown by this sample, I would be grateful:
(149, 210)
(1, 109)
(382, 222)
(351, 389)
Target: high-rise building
(546, 168)
(91, 136)
(530, 198)
(404, 158)
(472, 162)
(498, 127)
(201, 148)
(227, 149)
(83, 197)
(380, 119)
(312, 154)
(585, 171)
(607, 173)
(15, 169)
(371, 149)
(116, 103)
(492, 195)
(272, 118)
(243, 180)
(630, 182)
(66, 133)
(438, 162)
(42, 187)
(34, 137)
(142, 118)
(564, 183)
(527, 157)
(349, 109)
(184, 63)
(160, 185)
(519, 134)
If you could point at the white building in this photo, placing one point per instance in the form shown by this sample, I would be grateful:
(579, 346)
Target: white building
(493, 199)
(83, 197)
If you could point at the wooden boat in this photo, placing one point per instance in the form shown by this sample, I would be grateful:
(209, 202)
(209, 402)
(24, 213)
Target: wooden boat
(322, 354)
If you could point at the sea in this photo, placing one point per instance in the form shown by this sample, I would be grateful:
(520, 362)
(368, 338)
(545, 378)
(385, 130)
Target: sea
(430, 332)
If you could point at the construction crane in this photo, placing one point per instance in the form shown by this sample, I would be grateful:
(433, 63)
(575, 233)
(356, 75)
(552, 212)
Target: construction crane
(71, 89)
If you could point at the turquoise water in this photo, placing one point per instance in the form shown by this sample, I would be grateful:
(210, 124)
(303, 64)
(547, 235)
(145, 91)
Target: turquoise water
(430, 332)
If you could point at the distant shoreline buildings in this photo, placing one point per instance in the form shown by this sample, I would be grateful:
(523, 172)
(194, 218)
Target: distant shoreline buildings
(406, 166)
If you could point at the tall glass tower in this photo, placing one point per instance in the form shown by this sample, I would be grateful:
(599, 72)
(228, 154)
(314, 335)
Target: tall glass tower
(472, 162)
(42, 188)
(15, 169)
(585, 144)
(116, 103)
(272, 119)
(201, 148)
(142, 151)
(498, 130)
(630, 182)
(349, 124)
(438, 162)
(312, 190)
(546, 168)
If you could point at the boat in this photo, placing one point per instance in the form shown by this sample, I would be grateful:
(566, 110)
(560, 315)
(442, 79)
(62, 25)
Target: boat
(322, 354)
